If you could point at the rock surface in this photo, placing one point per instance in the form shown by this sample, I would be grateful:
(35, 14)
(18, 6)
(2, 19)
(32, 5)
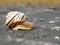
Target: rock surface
(40, 35)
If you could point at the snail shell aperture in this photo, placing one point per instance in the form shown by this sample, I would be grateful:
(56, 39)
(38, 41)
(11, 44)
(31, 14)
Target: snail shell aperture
(17, 20)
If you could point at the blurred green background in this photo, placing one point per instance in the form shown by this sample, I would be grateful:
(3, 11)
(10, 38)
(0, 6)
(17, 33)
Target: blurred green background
(29, 2)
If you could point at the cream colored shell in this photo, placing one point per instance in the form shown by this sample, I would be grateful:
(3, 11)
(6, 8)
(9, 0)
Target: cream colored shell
(17, 20)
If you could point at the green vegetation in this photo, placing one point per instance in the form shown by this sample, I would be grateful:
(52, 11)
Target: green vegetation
(30, 2)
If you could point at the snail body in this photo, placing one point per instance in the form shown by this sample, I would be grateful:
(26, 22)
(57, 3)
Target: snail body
(17, 20)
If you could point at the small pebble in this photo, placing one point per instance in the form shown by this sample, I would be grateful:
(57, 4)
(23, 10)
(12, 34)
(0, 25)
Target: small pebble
(48, 10)
(35, 20)
(56, 17)
(56, 28)
(56, 37)
(44, 27)
(10, 31)
(19, 39)
(41, 20)
(9, 38)
(52, 22)
(38, 20)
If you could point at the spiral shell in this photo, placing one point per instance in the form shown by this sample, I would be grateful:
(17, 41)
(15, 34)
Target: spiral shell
(17, 20)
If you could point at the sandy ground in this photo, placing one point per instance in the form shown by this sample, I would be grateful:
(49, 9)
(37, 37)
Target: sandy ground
(42, 34)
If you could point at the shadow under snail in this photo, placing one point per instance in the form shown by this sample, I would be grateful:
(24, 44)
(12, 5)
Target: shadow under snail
(17, 20)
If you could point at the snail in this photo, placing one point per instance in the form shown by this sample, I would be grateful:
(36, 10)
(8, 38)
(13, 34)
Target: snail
(17, 20)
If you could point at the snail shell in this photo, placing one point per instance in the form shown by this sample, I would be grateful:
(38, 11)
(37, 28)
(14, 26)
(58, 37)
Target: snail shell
(17, 20)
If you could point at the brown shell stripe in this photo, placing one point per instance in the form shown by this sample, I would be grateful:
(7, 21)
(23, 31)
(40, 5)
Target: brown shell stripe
(11, 19)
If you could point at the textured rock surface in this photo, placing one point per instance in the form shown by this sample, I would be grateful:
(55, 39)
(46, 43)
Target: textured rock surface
(40, 35)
